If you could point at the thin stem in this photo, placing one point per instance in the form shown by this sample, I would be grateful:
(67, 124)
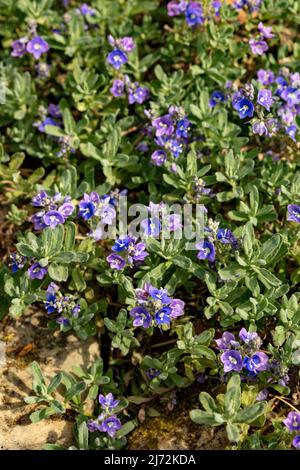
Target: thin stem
(287, 403)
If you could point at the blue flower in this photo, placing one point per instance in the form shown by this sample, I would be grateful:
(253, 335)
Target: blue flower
(50, 302)
(159, 294)
(117, 58)
(141, 317)
(206, 251)
(121, 244)
(256, 363)
(163, 316)
(244, 107)
(86, 209)
(215, 98)
(182, 128)
(194, 14)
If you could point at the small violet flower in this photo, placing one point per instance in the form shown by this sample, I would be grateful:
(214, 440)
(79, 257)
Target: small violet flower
(37, 46)
(292, 421)
(258, 47)
(232, 360)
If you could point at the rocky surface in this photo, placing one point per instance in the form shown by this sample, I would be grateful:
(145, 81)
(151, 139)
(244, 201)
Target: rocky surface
(21, 342)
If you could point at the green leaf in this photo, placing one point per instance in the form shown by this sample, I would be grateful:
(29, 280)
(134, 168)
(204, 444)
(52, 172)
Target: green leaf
(204, 417)
(207, 402)
(83, 436)
(250, 413)
(232, 401)
(233, 432)
(58, 272)
(76, 389)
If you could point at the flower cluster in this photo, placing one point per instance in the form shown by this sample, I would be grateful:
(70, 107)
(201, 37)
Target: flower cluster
(36, 46)
(207, 250)
(260, 46)
(133, 253)
(251, 5)
(107, 421)
(65, 305)
(193, 11)
(99, 211)
(55, 210)
(119, 56)
(171, 134)
(280, 96)
(246, 356)
(155, 308)
(134, 91)
(17, 261)
(48, 117)
(292, 422)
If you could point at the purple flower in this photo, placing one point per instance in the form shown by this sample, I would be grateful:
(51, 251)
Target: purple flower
(265, 98)
(137, 252)
(215, 98)
(137, 94)
(19, 47)
(296, 442)
(85, 10)
(258, 47)
(141, 317)
(108, 402)
(117, 88)
(107, 214)
(93, 426)
(216, 5)
(206, 251)
(266, 31)
(17, 262)
(293, 213)
(173, 222)
(38, 220)
(116, 262)
(37, 46)
(177, 308)
(36, 271)
(158, 157)
(244, 107)
(127, 44)
(182, 128)
(224, 235)
(163, 316)
(291, 131)
(256, 363)
(110, 425)
(232, 360)
(163, 126)
(259, 127)
(175, 8)
(66, 209)
(291, 95)
(262, 395)
(54, 111)
(265, 77)
(159, 294)
(292, 421)
(194, 14)
(226, 341)
(117, 58)
(249, 337)
(151, 373)
(53, 218)
(151, 226)
(86, 209)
